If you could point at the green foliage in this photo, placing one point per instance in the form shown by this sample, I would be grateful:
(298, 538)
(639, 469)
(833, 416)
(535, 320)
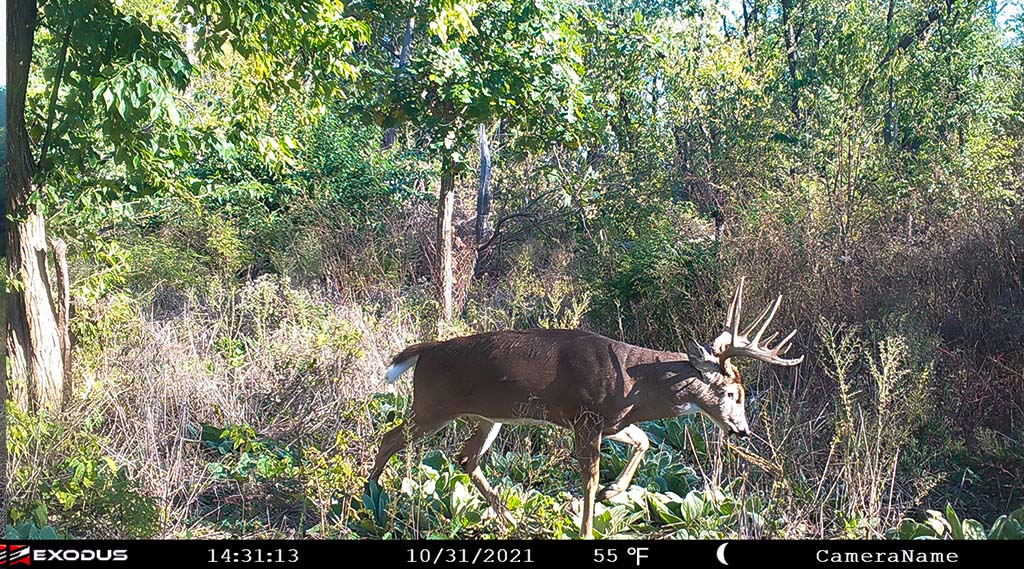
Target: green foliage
(78, 484)
(879, 408)
(947, 525)
(531, 297)
(246, 456)
(117, 129)
(443, 503)
(651, 285)
(476, 62)
(29, 530)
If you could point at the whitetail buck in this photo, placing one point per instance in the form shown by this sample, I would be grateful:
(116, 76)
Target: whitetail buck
(596, 386)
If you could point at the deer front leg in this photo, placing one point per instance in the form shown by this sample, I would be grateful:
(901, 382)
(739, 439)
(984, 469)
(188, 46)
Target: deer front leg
(469, 459)
(636, 438)
(588, 453)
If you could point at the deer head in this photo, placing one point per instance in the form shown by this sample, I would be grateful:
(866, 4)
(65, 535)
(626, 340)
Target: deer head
(722, 396)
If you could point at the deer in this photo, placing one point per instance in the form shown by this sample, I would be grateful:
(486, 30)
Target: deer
(597, 387)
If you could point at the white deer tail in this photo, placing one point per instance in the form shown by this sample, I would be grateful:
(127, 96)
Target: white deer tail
(397, 368)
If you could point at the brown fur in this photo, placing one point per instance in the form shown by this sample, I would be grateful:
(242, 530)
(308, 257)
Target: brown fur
(549, 375)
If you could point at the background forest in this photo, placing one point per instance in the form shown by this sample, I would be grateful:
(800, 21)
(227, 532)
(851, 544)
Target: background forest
(226, 217)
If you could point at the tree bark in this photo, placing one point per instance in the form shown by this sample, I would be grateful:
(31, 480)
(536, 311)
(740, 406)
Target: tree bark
(445, 211)
(190, 43)
(60, 260)
(748, 18)
(483, 190)
(33, 341)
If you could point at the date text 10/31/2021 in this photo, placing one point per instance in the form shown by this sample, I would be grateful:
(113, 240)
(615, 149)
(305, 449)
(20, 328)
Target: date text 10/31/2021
(485, 555)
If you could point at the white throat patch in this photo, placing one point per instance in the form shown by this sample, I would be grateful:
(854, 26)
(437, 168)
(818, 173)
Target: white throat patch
(687, 409)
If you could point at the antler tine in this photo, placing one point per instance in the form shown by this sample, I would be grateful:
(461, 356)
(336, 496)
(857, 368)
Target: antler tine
(738, 306)
(754, 324)
(767, 321)
(757, 348)
(785, 341)
(732, 306)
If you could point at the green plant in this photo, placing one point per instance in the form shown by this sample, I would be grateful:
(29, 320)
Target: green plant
(948, 525)
(247, 456)
(73, 482)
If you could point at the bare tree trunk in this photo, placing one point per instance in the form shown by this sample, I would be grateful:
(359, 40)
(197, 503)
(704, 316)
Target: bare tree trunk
(403, 62)
(483, 190)
(445, 235)
(33, 340)
(60, 260)
(190, 43)
(748, 17)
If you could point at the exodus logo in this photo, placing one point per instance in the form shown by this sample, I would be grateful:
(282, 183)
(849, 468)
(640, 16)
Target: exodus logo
(11, 555)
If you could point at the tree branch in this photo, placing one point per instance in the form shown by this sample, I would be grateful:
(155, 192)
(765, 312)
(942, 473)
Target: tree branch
(905, 42)
(52, 112)
(501, 222)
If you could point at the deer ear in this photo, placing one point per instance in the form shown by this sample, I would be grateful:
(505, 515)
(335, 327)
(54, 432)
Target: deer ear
(702, 358)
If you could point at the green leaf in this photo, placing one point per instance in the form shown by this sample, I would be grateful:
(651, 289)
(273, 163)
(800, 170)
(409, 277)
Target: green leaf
(172, 112)
(692, 507)
(111, 464)
(661, 510)
(955, 529)
(39, 514)
(972, 529)
(1006, 527)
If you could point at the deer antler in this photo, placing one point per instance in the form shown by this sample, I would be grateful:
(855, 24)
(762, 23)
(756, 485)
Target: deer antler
(731, 343)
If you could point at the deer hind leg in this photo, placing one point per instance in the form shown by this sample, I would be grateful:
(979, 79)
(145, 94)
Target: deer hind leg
(397, 438)
(588, 453)
(469, 459)
(635, 437)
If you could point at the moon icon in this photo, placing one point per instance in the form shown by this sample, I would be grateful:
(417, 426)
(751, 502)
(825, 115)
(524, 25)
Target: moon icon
(721, 554)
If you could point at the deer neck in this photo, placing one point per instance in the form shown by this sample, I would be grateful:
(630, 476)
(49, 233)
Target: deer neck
(666, 385)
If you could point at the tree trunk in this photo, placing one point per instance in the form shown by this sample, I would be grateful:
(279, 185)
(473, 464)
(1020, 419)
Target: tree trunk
(403, 62)
(60, 260)
(445, 210)
(190, 43)
(33, 340)
(483, 190)
(748, 17)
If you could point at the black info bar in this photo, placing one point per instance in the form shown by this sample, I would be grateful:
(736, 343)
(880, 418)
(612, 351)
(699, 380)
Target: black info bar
(513, 553)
